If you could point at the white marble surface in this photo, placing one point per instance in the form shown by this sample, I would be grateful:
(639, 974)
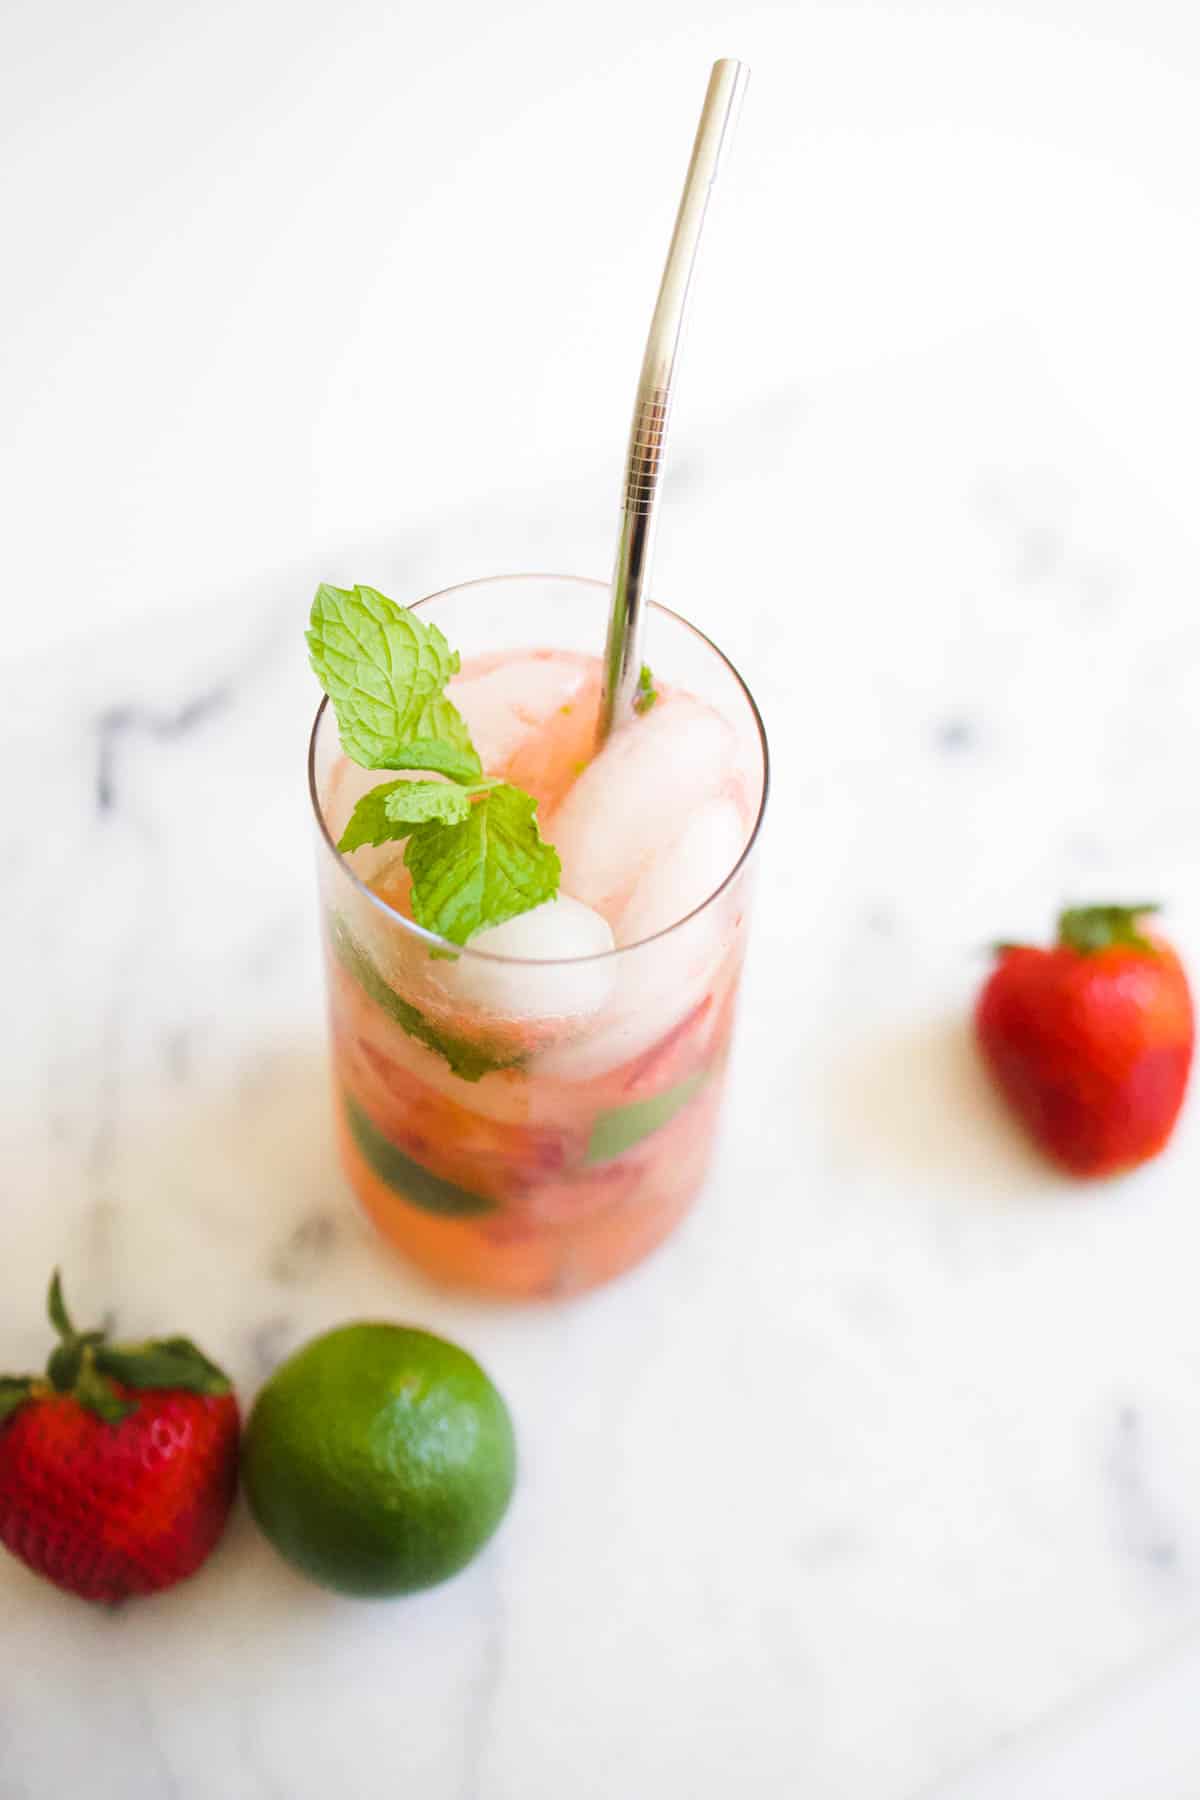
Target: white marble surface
(882, 1481)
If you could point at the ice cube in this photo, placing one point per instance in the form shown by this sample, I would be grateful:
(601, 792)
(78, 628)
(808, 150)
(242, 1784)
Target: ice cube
(680, 878)
(628, 804)
(346, 787)
(533, 719)
(504, 706)
(655, 989)
(539, 989)
(659, 984)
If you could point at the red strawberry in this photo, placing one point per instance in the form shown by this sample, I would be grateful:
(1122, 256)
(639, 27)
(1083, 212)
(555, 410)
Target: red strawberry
(118, 1467)
(1091, 1041)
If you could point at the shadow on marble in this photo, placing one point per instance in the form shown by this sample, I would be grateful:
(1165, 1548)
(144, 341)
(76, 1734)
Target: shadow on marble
(921, 1100)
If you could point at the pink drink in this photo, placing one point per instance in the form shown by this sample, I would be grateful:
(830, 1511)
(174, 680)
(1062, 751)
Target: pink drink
(535, 1114)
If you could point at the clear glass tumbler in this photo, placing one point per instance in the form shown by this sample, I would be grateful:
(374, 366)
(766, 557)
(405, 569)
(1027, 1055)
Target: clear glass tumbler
(537, 1145)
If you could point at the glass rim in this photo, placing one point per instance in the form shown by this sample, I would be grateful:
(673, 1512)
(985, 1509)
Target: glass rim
(432, 938)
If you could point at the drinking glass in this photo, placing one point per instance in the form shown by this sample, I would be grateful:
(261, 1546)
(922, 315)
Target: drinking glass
(538, 1147)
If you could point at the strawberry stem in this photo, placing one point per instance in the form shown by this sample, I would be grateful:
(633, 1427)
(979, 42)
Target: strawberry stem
(56, 1306)
(84, 1365)
(98, 1393)
(66, 1359)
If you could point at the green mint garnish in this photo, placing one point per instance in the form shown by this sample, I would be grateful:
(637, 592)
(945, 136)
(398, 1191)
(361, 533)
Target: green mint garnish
(442, 744)
(474, 849)
(484, 870)
(647, 693)
(384, 670)
(375, 818)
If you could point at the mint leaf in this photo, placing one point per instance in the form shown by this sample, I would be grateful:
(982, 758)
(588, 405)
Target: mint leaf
(619, 1129)
(440, 742)
(647, 693)
(490, 867)
(439, 757)
(384, 669)
(417, 802)
(369, 823)
(390, 811)
(469, 1061)
(407, 1179)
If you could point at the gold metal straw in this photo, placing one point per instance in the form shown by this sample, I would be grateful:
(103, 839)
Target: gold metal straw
(651, 413)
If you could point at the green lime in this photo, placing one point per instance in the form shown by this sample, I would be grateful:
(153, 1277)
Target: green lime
(379, 1459)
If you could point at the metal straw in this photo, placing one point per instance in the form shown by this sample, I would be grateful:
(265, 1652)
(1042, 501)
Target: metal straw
(647, 437)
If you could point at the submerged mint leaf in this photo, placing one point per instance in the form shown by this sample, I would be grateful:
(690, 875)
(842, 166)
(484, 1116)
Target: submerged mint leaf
(390, 811)
(647, 693)
(407, 1179)
(490, 867)
(619, 1129)
(383, 668)
(469, 1061)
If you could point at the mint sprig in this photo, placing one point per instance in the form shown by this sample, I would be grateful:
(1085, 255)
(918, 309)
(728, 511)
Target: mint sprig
(375, 818)
(384, 669)
(440, 743)
(474, 849)
(489, 867)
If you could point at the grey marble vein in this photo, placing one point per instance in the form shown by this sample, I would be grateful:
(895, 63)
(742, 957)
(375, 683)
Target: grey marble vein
(118, 723)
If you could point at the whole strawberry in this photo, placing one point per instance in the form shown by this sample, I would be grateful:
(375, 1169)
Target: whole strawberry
(1091, 1041)
(118, 1468)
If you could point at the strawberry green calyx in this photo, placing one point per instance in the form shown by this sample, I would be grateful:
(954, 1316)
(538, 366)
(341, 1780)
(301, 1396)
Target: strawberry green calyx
(86, 1366)
(1088, 929)
(15, 1390)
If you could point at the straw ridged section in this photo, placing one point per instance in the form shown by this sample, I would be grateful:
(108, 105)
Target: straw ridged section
(645, 452)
